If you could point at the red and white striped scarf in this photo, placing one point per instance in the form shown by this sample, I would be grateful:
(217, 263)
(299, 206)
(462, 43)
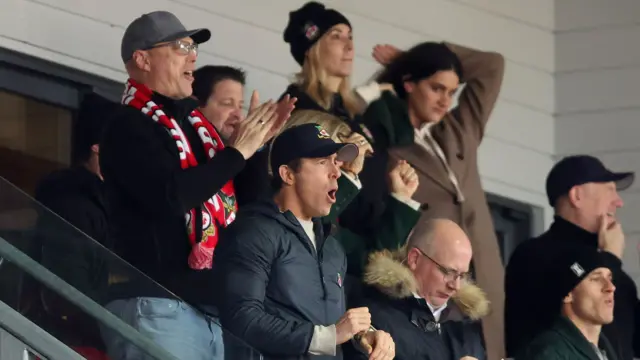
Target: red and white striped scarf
(219, 210)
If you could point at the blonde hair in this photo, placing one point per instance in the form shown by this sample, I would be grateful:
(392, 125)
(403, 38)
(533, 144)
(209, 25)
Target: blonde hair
(336, 128)
(312, 76)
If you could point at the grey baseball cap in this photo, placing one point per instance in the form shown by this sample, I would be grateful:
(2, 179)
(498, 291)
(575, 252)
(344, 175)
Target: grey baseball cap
(156, 27)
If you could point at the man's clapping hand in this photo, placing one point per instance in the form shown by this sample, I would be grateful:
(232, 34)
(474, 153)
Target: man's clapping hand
(262, 123)
(403, 179)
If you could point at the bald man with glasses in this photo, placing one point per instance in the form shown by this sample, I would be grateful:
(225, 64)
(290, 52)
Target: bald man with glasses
(422, 295)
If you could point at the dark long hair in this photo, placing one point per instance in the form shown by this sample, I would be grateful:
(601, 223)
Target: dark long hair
(417, 63)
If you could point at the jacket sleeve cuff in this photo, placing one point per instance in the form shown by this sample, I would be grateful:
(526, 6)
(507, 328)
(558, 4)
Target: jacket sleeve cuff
(409, 202)
(355, 181)
(370, 92)
(323, 341)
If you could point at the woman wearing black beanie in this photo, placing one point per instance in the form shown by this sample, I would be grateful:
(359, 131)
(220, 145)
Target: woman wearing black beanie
(321, 42)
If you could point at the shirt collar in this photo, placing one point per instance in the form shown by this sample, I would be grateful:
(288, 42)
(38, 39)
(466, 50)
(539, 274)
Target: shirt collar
(436, 312)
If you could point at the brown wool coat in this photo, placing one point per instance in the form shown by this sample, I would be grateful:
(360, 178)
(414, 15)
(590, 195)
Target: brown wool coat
(459, 134)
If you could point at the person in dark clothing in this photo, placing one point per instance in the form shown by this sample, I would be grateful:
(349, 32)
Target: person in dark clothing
(402, 180)
(421, 295)
(581, 289)
(585, 197)
(320, 40)
(280, 272)
(168, 180)
(76, 195)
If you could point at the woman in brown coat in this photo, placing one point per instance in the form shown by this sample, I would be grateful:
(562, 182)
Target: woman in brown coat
(445, 148)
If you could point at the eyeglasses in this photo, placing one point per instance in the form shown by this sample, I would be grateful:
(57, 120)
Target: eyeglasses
(449, 275)
(183, 47)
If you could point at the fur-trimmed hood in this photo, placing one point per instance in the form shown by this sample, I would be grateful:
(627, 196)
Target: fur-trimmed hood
(386, 273)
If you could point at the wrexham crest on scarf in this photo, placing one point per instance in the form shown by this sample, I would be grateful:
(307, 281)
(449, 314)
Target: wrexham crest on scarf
(229, 205)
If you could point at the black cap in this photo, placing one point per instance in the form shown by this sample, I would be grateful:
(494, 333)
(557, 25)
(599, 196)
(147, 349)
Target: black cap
(307, 141)
(581, 169)
(570, 266)
(94, 113)
(156, 27)
(307, 25)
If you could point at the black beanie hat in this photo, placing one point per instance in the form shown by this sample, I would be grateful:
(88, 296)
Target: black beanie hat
(307, 25)
(571, 266)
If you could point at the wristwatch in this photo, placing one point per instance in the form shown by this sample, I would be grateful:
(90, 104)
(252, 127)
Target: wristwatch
(358, 336)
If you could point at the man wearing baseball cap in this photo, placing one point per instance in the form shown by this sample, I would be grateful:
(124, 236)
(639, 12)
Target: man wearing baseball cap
(582, 292)
(169, 186)
(584, 195)
(280, 272)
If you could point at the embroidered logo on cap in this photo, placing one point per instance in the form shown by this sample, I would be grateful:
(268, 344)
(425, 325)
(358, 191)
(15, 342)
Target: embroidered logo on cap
(577, 269)
(311, 31)
(322, 133)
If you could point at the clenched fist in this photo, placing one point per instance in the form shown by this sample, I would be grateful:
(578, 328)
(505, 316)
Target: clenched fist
(352, 322)
(403, 179)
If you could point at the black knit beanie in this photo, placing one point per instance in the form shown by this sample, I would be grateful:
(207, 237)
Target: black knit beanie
(571, 266)
(307, 25)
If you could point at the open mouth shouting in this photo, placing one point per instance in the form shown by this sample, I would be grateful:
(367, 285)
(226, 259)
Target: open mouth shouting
(331, 194)
(189, 75)
(609, 302)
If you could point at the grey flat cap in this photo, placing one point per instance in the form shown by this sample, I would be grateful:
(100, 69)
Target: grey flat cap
(156, 27)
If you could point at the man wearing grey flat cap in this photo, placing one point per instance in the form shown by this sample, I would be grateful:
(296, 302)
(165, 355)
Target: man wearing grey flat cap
(169, 188)
(584, 195)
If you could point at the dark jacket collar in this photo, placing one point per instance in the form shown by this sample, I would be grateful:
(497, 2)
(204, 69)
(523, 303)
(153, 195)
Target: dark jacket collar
(268, 208)
(565, 328)
(178, 109)
(77, 180)
(305, 102)
(568, 231)
(417, 310)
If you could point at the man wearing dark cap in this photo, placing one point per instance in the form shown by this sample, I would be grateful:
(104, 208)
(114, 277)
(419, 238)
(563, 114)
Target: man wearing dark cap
(584, 195)
(168, 179)
(582, 292)
(76, 194)
(280, 272)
